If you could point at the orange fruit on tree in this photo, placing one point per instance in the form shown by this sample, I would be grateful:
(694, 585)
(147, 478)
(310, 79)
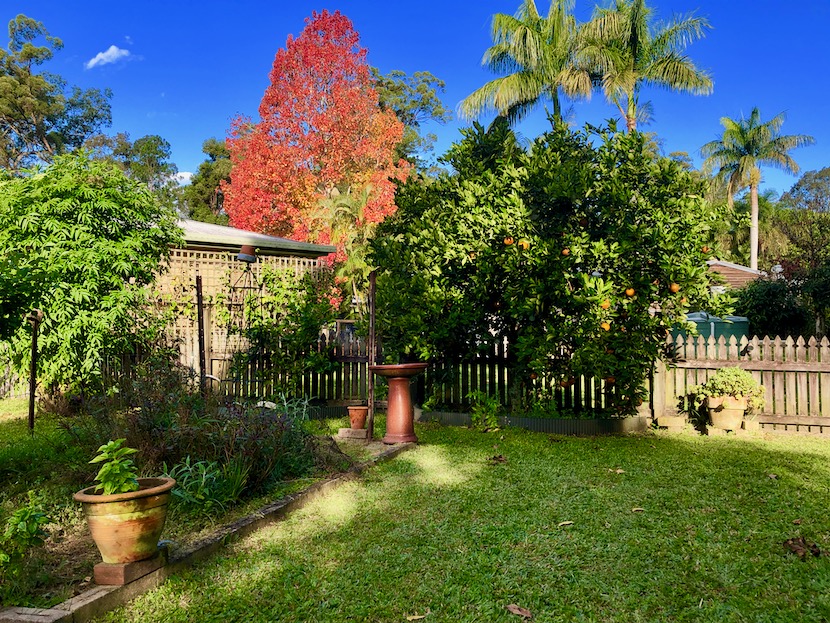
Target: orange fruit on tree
(606, 325)
(705, 249)
(675, 288)
(566, 251)
(605, 304)
(610, 380)
(524, 244)
(630, 291)
(508, 241)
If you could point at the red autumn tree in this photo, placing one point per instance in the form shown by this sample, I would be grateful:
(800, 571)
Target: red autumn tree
(321, 135)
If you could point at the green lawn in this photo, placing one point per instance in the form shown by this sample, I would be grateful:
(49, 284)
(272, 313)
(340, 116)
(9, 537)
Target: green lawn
(13, 408)
(443, 530)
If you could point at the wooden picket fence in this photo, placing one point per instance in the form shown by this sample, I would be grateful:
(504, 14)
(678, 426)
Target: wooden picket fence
(11, 386)
(346, 382)
(795, 374)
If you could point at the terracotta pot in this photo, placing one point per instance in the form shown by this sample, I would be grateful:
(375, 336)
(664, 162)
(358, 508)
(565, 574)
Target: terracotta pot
(126, 527)
(726, 412)
(357, 417)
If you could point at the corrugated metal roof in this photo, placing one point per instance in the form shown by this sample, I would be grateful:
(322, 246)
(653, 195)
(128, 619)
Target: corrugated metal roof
(221, 237)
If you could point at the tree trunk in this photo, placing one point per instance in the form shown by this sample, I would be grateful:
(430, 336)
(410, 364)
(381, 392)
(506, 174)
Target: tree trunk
(631, 115)
(753, 227)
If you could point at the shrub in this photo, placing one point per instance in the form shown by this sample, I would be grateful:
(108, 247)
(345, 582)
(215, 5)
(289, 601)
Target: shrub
(484, 411)
(734, 382)
(206, 488)
(773, 308)
(24, 529)
(80, 241)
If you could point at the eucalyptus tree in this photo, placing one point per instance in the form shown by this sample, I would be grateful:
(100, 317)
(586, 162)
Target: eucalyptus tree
(630, 50)
(40, 116)
(737, 156)
(539, 55)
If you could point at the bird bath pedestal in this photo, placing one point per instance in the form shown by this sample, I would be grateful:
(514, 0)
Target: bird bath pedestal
(399, 415)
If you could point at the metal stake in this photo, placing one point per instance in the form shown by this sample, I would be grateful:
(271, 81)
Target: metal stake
(34, 317)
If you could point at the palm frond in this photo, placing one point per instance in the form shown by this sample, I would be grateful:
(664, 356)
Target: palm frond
(677, 73)
(678, 34)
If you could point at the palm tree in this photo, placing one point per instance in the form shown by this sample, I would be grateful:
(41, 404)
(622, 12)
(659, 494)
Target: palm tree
(737, 157)
(539, 56)
(629, 51)
(345, 216)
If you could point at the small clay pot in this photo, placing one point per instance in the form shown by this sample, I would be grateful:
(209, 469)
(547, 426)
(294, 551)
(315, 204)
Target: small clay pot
(357, 417)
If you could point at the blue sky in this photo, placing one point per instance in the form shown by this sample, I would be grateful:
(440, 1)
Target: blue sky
(183, 69)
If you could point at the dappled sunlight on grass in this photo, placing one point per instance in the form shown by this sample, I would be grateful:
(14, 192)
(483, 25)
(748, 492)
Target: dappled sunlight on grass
(322, 515)
(615, 529)
(13, 409)
(337, 507)
(436, 469)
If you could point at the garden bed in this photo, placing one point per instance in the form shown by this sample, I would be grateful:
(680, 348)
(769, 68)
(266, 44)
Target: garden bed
(50, 466)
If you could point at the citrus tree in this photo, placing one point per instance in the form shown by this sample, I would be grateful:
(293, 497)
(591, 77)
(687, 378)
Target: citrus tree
(582, 253)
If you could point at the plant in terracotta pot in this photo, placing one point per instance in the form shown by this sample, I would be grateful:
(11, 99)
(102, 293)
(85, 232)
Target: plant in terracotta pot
(729, 395)
(125, 513)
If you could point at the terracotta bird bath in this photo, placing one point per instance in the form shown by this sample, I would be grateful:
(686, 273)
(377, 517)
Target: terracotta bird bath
(399, 415)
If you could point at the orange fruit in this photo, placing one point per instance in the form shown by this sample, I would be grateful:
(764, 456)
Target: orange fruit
(684, 300)
(524, 244)
(629, 291)
(508, 241)
(566, 251)
(606, 326)
(675, 287)
(705, 249)
(605, 304)
(610, 380)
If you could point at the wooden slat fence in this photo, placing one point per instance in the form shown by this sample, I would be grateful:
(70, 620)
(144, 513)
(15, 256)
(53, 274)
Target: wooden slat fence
(794, 372)
(451, 382)
(11, 386)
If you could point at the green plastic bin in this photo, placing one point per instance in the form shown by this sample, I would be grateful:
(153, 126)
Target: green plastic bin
(709, 325)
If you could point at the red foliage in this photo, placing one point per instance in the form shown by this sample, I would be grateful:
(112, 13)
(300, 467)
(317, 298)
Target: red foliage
(321, 128)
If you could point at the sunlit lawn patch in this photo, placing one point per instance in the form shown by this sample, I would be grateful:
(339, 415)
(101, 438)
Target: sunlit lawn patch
(664, 528)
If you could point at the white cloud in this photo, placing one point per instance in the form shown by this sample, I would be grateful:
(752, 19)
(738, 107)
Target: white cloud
(111, 55)
(183, 177)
